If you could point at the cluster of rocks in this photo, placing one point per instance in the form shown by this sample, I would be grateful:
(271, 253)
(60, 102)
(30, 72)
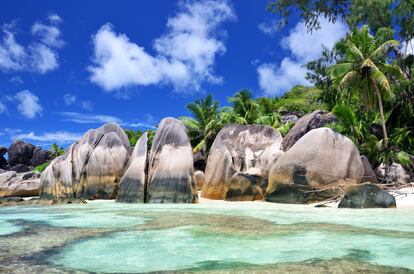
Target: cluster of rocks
(101, 166)
(23, 157)
(312, 163)
(166, 173)
(245, 163)
(239, 162)
(16, 175)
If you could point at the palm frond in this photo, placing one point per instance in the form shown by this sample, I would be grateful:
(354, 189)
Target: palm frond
(349, 80)
(382, 51)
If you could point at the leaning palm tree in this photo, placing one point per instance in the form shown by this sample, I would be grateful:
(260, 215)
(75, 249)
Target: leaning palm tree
(365, 71)
(205, 124)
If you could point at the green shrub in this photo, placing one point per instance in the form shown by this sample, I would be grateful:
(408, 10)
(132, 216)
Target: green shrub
(42, 167)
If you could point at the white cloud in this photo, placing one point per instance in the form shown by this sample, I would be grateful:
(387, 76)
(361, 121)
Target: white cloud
(86, 118)
(407, 47)
(55, 18)
(138, 125)
(16, 80)
(39, 55)
(3, 107)
(83, 118)
(69, 99)
(185, 54)
(307, 46)
(12, 130)
(49, 34)
(61, 137)
(268, 27)
(29, 105)
(87, 105)
(277, 79)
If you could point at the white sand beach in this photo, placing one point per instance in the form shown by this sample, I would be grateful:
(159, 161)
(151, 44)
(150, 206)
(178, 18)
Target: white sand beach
(404, 198)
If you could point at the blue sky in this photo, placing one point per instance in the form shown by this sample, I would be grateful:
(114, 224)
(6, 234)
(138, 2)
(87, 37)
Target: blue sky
(67, 66)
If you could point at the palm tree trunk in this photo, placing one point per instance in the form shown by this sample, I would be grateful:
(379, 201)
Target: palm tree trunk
(384, 129)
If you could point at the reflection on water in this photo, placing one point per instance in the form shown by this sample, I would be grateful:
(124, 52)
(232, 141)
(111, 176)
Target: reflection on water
(107, 237)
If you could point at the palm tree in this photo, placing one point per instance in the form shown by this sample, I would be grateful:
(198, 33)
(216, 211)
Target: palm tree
(56, 150)
(203, 128)
(244, 109)
(267, 112)
(365, 70)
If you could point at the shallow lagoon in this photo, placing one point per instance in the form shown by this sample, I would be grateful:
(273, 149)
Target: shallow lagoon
(104, 236)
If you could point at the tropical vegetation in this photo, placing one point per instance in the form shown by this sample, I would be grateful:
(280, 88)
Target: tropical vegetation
(365, 80)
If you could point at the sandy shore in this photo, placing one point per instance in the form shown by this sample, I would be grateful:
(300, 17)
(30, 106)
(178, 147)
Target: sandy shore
(404, 198)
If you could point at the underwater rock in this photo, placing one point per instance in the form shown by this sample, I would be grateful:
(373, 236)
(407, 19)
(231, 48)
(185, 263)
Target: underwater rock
(367, 196)
(170, 168)
(90, 168)
(132, 187)
(317, 166)
(240, 148)
(316, 119)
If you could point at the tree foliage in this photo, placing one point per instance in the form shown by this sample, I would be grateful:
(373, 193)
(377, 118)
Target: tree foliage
(364, 70)
(204, 125)
(375, 13)
(56, 150)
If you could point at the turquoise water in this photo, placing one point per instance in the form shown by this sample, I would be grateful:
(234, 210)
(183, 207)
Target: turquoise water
(104, 236)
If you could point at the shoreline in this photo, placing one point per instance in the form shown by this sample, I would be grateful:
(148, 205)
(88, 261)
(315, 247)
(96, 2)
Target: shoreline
(404, 199)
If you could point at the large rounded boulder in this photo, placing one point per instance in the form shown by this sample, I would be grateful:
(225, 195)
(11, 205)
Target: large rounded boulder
(91, 168)
(250, 151)
(170, 168)
(14, 184)
(132, 187)
(40, 156)
(316, 119)
(319, 166)
(20, 152)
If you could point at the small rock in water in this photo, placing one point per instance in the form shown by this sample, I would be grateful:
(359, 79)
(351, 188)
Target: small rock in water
(367, 196)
